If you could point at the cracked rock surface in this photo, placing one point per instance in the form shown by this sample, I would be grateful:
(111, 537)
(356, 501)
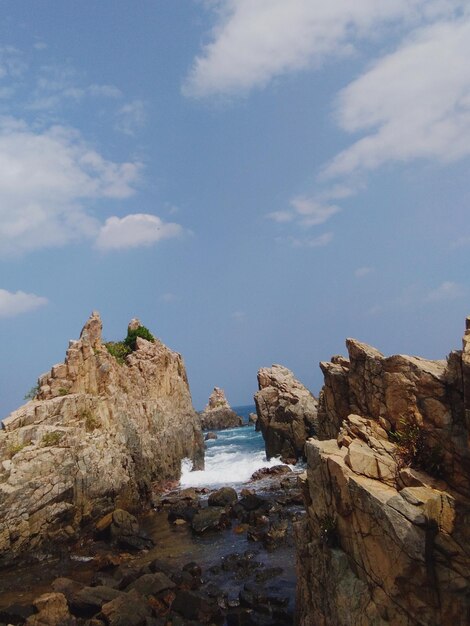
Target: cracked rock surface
(386, 541)
(99, 434)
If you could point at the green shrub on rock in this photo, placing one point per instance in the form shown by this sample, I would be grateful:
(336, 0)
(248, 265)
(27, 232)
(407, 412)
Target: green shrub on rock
(121, 349)
(140, 331)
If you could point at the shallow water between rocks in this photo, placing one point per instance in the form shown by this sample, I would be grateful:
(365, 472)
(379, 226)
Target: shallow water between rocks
(230, 460)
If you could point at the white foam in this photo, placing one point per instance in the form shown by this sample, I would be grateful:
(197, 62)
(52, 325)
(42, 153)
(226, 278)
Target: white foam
(225, 468)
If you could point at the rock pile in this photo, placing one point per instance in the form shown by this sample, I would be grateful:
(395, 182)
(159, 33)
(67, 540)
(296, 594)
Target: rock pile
(99, 434)
(218, 415)
(287, 413)
(386, 539)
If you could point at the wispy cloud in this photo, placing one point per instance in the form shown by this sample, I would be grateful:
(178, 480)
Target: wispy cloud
(135, 230)
(361, 272)
(447, 290)
(15, 303)
(131, 117)
(254, 42)
(307, 242)
(306, 212)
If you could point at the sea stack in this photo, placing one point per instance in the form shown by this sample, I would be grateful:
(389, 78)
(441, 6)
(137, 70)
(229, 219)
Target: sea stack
(105, 427)
(287, 413)
(218, 415)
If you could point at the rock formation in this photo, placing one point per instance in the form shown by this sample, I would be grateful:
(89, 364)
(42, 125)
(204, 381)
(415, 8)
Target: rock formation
(99, 434)
(386, 539)
(218, 415)
(287, 413)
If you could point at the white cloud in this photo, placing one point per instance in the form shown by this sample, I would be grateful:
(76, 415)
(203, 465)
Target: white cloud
(361, 272)
(131, 231)
(413, 103)
(48, 178)
(311, 212)
(254, 42)
(12, 304)
(131, 117)
(308, 242)
(281, 216)
(447, 290)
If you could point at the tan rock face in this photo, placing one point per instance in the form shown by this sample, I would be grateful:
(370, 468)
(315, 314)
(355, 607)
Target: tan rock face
(287, 412)
(382, 542)
(99, 435)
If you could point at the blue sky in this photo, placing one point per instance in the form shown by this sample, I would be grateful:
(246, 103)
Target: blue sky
(256, 180)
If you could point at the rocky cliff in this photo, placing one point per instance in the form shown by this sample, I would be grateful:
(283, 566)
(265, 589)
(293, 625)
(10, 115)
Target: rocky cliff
(386, 538)
(287, 413)
(218, 415)
(100, 432)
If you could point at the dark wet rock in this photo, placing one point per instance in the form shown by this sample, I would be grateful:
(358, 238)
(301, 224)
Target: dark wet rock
(193, 606)
(223, 497)
(130, 609)
(16, 613)
(151, 584)
(277, 470)
(193, 568)
(126, 533)
(261, 599)
(210, 435)
(241, 565)
(211, 518)
(182, 511)
(84, 601)
(128, 572)
(268, 574)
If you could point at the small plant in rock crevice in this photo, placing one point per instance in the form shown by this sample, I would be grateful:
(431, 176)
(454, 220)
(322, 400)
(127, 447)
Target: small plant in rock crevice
(51, 439)
(414, 450)
(32, 393)
(329, 531)
(91, 421)
(14, 448)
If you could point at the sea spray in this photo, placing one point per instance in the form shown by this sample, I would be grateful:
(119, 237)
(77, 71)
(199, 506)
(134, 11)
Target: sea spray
(230, 459)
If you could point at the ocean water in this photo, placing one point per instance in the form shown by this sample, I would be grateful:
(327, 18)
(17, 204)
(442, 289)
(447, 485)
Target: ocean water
(232, 458)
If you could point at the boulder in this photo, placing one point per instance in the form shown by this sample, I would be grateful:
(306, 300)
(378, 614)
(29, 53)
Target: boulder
(218, 415)
(223, 497)
(287, 413)
(100, 433)
(212, 518)
(52, 611)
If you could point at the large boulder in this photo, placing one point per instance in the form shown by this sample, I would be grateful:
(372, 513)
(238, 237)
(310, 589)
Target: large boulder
(218, 415)
(100, 433)
(287, 413)
(386, 538)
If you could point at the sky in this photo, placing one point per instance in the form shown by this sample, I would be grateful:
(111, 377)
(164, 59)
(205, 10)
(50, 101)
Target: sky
(255, 180)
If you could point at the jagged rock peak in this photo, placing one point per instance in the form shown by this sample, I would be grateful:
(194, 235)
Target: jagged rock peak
(134, 324)
(218, 414)
(287, 412)
(217, 400)
(91, 332)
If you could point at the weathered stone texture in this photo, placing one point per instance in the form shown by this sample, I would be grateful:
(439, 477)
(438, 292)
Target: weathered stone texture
(383, 543)
(287, 413)
(99, 435)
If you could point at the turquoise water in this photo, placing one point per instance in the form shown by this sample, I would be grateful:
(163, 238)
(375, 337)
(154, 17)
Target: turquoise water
(232, 458)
